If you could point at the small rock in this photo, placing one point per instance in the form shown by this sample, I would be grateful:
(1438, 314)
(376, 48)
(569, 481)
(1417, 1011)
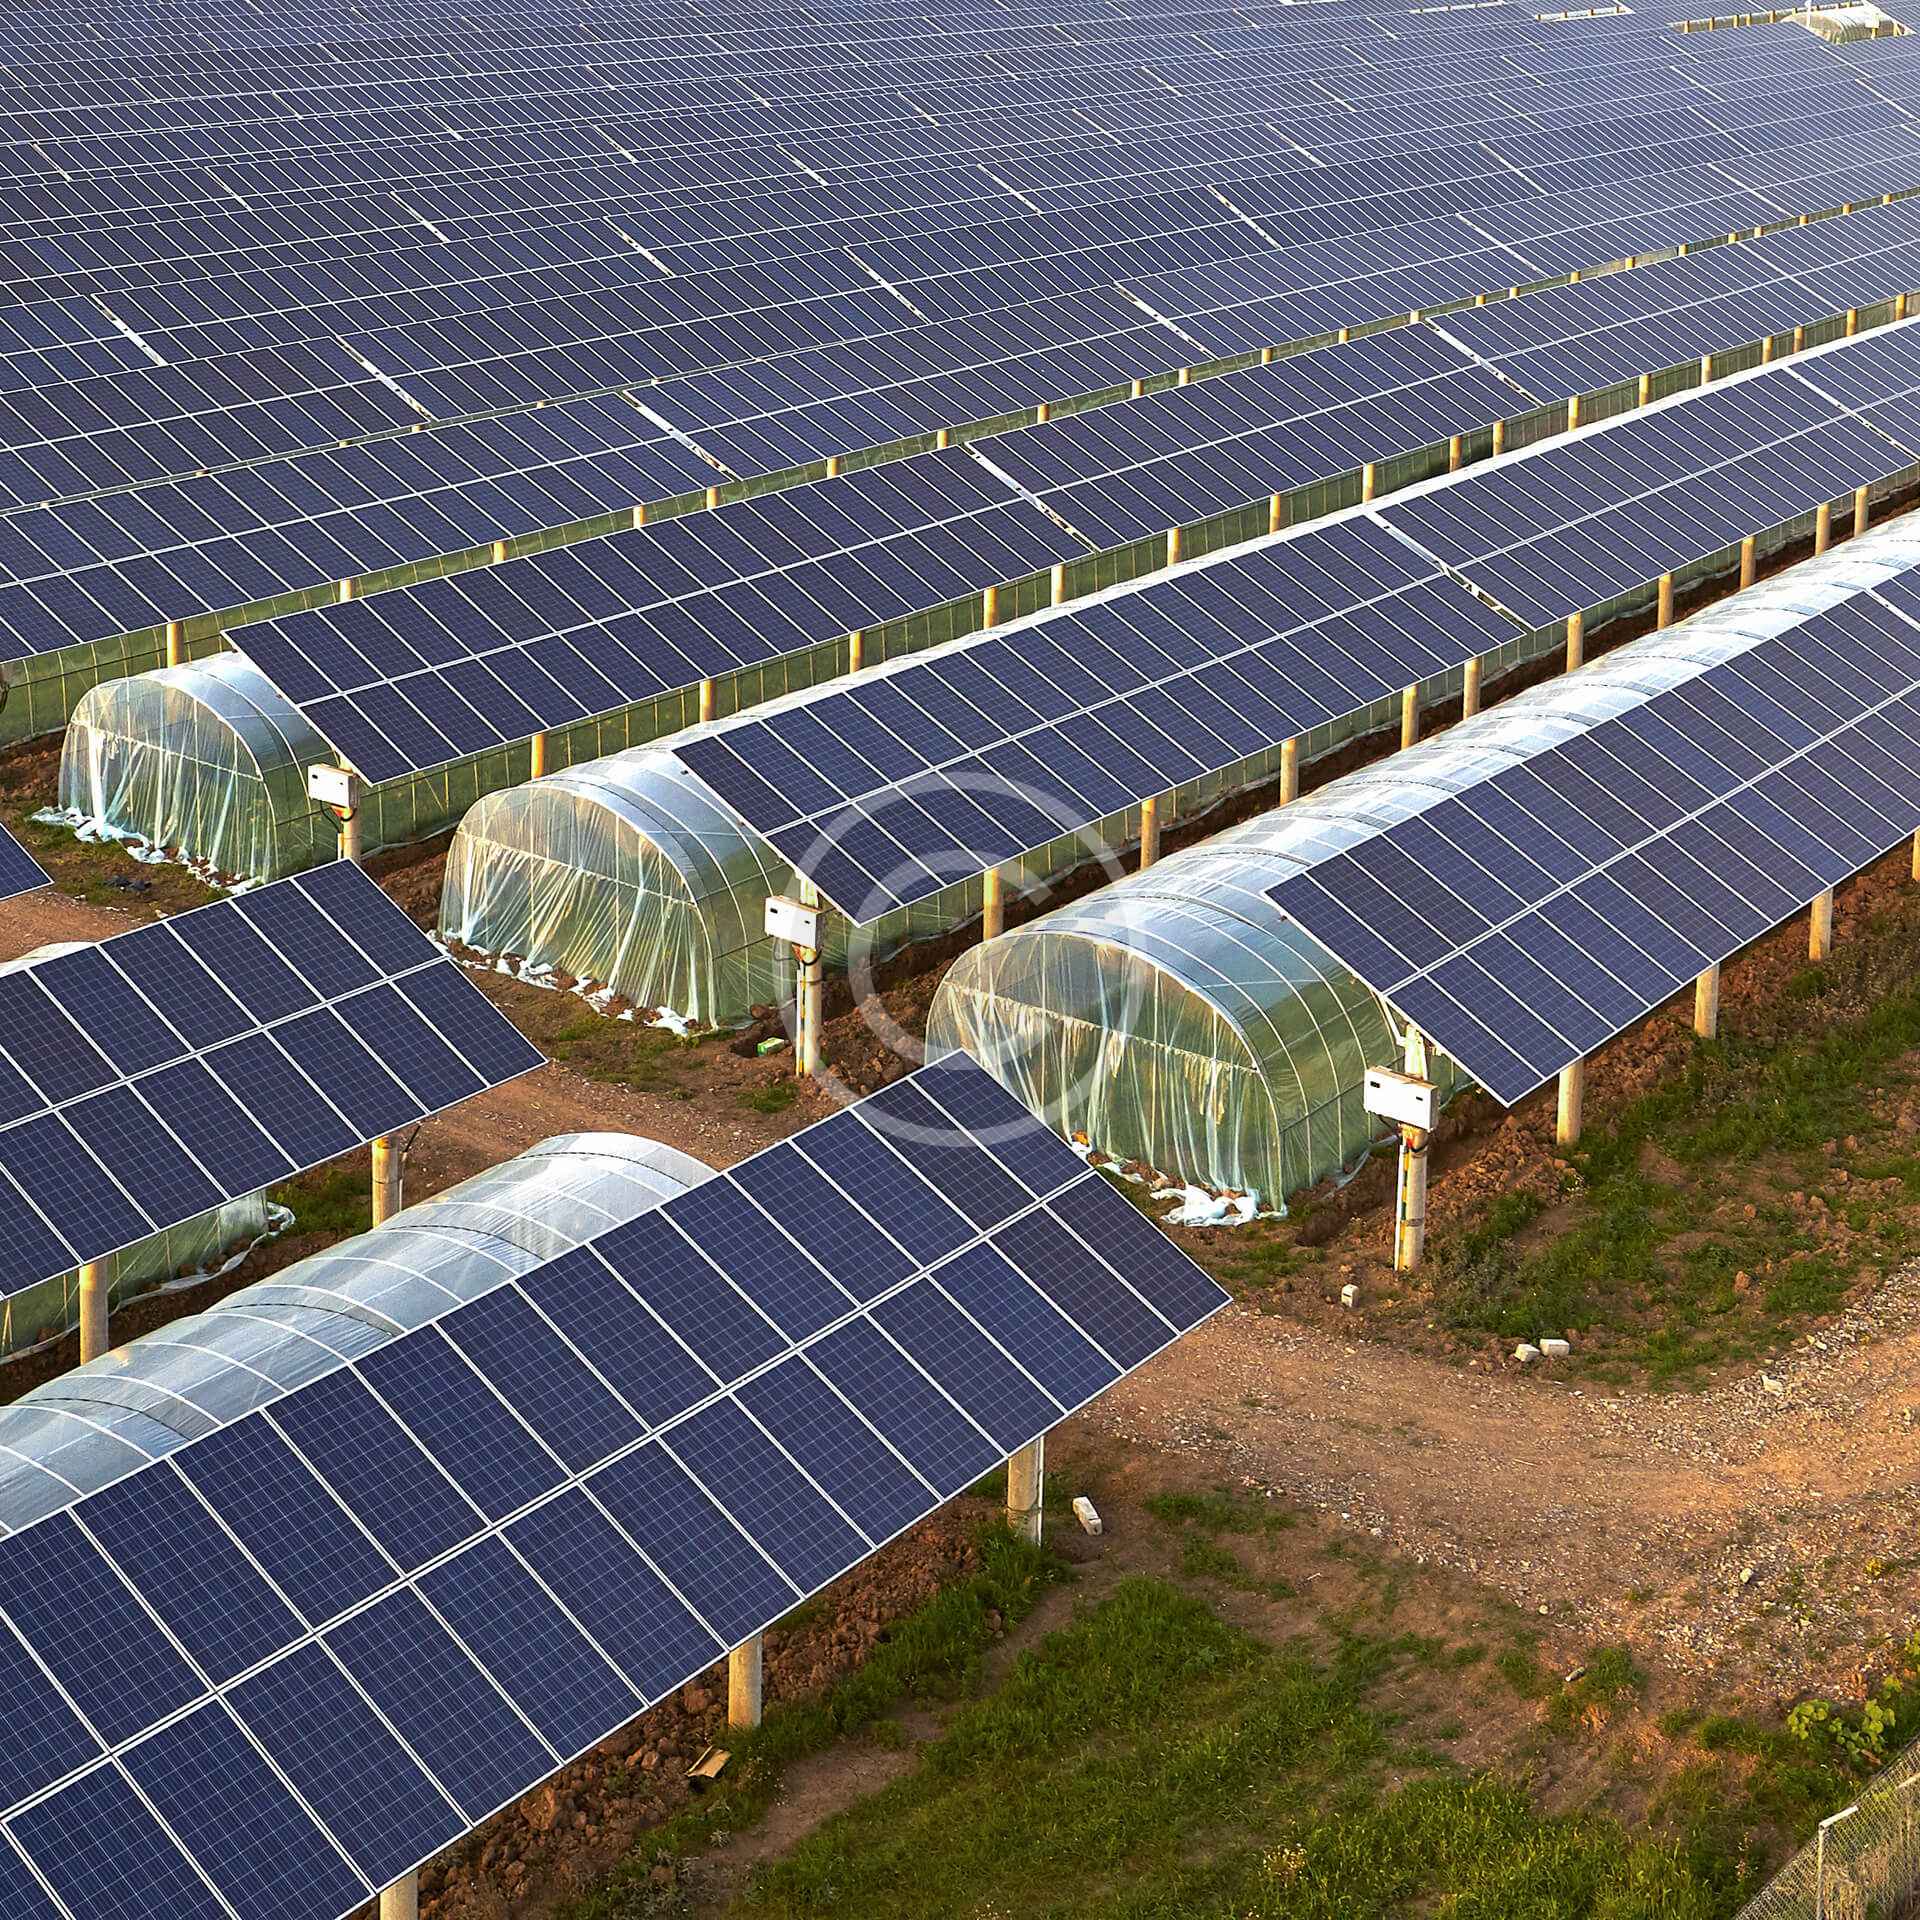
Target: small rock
(1771, 1384)
(1746, 1576)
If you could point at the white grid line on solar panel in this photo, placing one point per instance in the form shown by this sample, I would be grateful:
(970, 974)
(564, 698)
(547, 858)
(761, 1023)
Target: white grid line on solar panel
(102, 1139)
(1659, 778)
(940, 767)
(1567, 527)
(975, 1306)
(20, 872)
(176, 550)
(409, 680)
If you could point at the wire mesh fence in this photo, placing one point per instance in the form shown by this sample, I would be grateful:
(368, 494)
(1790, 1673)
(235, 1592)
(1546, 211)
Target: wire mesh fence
(1863, 1863)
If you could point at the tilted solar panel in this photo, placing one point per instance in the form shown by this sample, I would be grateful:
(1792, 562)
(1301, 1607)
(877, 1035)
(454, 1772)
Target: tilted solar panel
(1526, 920)
(20, 872)
(428, 1580)
(888, 787)
(161, 1072)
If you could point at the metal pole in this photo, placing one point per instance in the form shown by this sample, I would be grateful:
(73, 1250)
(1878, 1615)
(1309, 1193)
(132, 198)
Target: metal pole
(537, 757)
(1749, 561)
(1576, 640)
(709, 699)
(1149, 831)
(352, 836)
(993, 904)
(1823, 527)
(1859, 510)
(1409, 716)
(176, 643)
(1410, 1188)
(1663, 601)
(1820, 927)
(1573, 1091)
(1026, 1488)
(388, 1167)
(401, 1901)
(93, 1310)
(1470, 688)
(1290, 786)
(746, 1683)
(807, 1047)
(1706, 1003)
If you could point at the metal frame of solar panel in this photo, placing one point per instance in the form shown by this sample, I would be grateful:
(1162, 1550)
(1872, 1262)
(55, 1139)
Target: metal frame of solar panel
(425, 1581)
(891, 786)
(160, 1073)
(1528, 919)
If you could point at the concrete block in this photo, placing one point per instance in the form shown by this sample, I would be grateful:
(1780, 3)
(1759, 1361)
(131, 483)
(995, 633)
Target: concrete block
(1526, 1353)
(1350, 1295)
(1555, 1349)
(1087, 1514)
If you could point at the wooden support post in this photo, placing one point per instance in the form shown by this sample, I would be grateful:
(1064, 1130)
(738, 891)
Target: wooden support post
(1149, 831)
(1173, 546)
(1706, 1002)
(93, 1310)
(746, 1683)
(537, 757)
(1820, 927)
(176, 643)
(1573, 1090)
(1860, 511)
(1576, 640)
(1456, 452)
(709, 699)
(993, 903)
(856, 650)
(1470, 688)
(1290, 777)
(1749, 560)
(1026, 1489)
(1823, 527)
(1409, 716)
(1663, 601)
(388, 1170)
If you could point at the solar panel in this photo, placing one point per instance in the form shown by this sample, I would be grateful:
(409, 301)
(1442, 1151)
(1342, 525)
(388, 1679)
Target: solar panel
(1526, 920)
(435, 1677)
(888, 787)
(162, 1072)
(20, 872)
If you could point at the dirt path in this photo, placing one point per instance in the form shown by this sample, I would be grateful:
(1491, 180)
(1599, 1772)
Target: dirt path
(1632, 1515)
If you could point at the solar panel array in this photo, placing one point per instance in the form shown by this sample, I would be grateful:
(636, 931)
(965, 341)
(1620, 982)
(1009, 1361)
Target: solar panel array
(159, 1073)
(1526, 920)
(349, 1626)
(888, 787)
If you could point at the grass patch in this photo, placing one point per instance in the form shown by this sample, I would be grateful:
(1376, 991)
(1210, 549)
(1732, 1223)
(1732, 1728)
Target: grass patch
(775, 1097)
(333, 1200)
(932, 1655)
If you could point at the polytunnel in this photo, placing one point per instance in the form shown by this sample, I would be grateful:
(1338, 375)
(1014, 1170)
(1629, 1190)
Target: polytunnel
(1180, 1018)
(90, 1427)
(194, 1250)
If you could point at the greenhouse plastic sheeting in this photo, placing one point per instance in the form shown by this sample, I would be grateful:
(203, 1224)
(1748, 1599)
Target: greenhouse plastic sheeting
(628, 873)
(196, 1248)
(89, 1427)
(1178, 1017)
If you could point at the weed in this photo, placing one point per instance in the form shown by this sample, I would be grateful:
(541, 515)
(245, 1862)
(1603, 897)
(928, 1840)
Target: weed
(775, 1097)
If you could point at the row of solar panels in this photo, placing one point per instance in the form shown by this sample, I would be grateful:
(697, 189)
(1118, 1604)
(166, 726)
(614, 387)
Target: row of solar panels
(407, 681)
(356, 1621)
(928, 772)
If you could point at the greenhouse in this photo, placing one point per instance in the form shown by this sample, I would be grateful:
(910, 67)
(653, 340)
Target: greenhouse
(1181, 1019)
(193, 1251)
(101, 1421)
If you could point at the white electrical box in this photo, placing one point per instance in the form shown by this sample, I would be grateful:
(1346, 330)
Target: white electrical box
(1400, 1097)
(334, 787)
(791, 921)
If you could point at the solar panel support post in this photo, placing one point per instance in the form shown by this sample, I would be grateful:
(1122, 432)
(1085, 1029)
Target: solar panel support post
(1706, 1002)
(401, 1901)
(833, 471)
(1410, 1184)
(640, 514)
(1456, 452)
(1149, 831)
(1136, 389)
(1820, 927)
(1470, 688)
(1663, 601)
(993, 904)
(1706, 369)
(1409, 716)
(746, 1683)
(1268, 355)
(808, 997)
(1860, 510)
(1026, 1488)
(1499, 437)
(1289, 771)
(1853, 321)
(1057, 583)
(1646, 388)
(1277, 513)
(537, 757)
(1823, 527)
(1800, 339)
(1042, 414)
(389, 1166)
(93, 1310)
(1344, 335)
(713, 496)
(1572, 1099)
(1916, 856)
(1766, 350)
(1573, 412)
(709, 699)
(856, 650)
(348, 590)
(499, 553)
(1184, 378)
(1369, 480)
(944, 438)
(1173, 546)
(176, 643)
(990, 607)
(1576, 641)
(1749, 560)
(1899, 306)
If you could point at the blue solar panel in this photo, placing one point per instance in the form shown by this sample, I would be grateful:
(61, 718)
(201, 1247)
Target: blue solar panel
(20, 872)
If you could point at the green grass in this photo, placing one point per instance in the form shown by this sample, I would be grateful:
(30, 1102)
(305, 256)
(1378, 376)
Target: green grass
(1151, 1762)
(775, 1097)
(933, 1655)
(334, 1200)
